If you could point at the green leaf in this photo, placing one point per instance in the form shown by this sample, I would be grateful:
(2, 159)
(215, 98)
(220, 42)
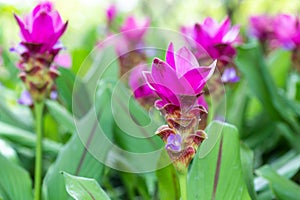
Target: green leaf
(287, 166)
(65, 84)
(26, 138)
(247, 159)
(219, 174)
(10, 110)
(251, 63)
(84, 188)
(168, 186)
(73, 158)
(279, 63)
(282, 188)
(61, 115)
(15, 182)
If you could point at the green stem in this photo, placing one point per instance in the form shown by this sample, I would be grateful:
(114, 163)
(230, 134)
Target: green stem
(183, 182)
(38, 109)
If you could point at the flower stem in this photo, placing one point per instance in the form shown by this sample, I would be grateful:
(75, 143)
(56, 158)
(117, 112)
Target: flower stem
(38, 109)
(183, 182)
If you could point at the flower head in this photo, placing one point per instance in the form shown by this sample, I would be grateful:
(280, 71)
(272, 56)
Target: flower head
(42, 28)
(111, 13)
(133, 30)
(214, 38)
(179, 80)
(287, 31)
(39, 48)
(138, 83)
(261, 27)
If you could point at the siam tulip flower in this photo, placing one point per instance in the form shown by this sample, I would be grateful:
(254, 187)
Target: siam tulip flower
(134, 31)
(287, 35)
(40, 32)
(111, 13)
(179, 81)
(139, 85)
(261, 27)
(41, 29)
(214, 39)
(129, 48)
(287, 31)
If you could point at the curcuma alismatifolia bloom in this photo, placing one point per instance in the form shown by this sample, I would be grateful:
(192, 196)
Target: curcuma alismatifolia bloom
(261, 27)
(130, 48)
(215, 40)
(287, 35)
(40, 31)
(141, 90)
(179, 81)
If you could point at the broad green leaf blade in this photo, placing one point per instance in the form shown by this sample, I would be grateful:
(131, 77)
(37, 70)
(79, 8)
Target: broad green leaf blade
(218, 175)
(168, 186)
(287, 166)
(73, 158)
(61, 115)
(26, 138)
(84, 188)
(247, 159)
(15, 182)
(10, 110)
(279, 63)
(283, 188)
(251, 63)
(65, 84)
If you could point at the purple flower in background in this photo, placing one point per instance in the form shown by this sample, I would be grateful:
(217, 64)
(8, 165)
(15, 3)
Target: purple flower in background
(178, 80)
(261, 27)
(25, 99)
(229, 75)
(134, 30)
(63, 60)
(287, 31)
(215, 39)
(174, 142)
(53, 95)
(138, 83)
(111, 13)
(42, 28)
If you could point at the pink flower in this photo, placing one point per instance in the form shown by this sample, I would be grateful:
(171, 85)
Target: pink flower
(179, 80)
(287, 31)
(111, 13)
(133, 30)
(42, 28)
(138, 83)
(261, 27)
(214, 38)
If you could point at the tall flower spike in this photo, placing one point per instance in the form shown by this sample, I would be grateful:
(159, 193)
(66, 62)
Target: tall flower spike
(40, 31)
(179, 81)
